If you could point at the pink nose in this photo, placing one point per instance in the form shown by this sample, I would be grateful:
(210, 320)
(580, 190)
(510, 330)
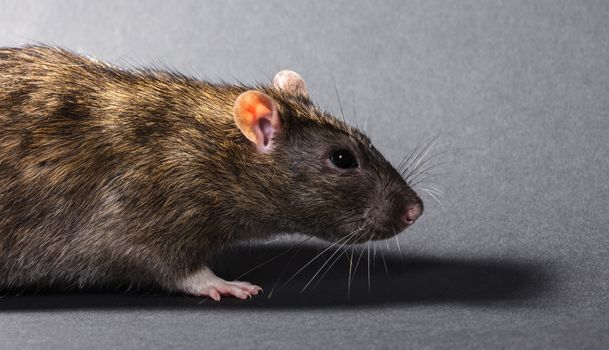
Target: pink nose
(411, 213)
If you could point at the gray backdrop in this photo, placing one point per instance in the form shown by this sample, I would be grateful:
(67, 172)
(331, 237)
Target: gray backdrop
(516, 91)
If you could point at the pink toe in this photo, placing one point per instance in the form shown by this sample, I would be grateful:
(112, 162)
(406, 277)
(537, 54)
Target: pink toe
(241, 294)
(214, 295)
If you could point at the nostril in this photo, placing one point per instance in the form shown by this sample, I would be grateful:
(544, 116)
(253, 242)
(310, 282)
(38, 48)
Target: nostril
(411, 213)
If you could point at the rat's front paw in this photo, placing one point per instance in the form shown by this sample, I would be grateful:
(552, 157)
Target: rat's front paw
(238, 289)
(204, 282)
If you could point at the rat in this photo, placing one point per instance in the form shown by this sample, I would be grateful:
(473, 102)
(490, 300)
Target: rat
(112, 176)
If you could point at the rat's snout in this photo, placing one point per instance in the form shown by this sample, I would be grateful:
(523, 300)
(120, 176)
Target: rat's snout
(399, 211)
(411, 213)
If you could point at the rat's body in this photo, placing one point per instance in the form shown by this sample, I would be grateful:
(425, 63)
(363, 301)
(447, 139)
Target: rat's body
(110, 176)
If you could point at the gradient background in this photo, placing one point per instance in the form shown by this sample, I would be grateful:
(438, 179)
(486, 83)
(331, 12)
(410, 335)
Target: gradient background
(518, 93)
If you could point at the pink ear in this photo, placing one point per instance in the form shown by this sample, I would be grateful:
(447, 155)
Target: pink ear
(256, 116)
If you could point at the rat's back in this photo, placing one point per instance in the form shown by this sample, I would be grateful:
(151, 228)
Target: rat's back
(85, 149)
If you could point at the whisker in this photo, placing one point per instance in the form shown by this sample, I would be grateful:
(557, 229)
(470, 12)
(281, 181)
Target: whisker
(349, 277)
(421, 156)
(435, 198)
(312, 260)
(387, 182)
(417, 179)
(384, 263)
(400, 168)
(368, 245)
(373, 256)
(273, 258)
(351, 235)
(397, 242)
(436, 192)
(425, 161)
(428, 180)
(357, 263)
(328, 269)
(436, 189)
(272, 240)
(425, 166)
(340, 105)
(355, 113)
(283, 271)
(414, 155)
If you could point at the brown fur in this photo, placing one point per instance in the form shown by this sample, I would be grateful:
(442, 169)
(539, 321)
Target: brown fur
(114, 176)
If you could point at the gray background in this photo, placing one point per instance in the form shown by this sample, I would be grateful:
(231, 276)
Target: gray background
(517, 92)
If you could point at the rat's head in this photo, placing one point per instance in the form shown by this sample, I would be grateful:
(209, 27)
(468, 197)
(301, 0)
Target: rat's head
(339, 186)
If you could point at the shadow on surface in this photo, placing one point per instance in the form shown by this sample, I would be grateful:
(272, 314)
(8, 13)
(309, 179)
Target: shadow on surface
(421, 279)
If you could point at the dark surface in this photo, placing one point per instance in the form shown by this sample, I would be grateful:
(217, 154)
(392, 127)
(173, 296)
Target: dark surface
(393, 280)
(516, 256)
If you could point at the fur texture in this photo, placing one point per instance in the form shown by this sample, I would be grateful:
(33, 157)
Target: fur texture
(113, 176)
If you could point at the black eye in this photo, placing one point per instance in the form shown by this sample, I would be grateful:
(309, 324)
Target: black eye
(343, 159)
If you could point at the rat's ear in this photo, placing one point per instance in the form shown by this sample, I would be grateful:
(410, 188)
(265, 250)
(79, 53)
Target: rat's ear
(290, 82)
(257, 117)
